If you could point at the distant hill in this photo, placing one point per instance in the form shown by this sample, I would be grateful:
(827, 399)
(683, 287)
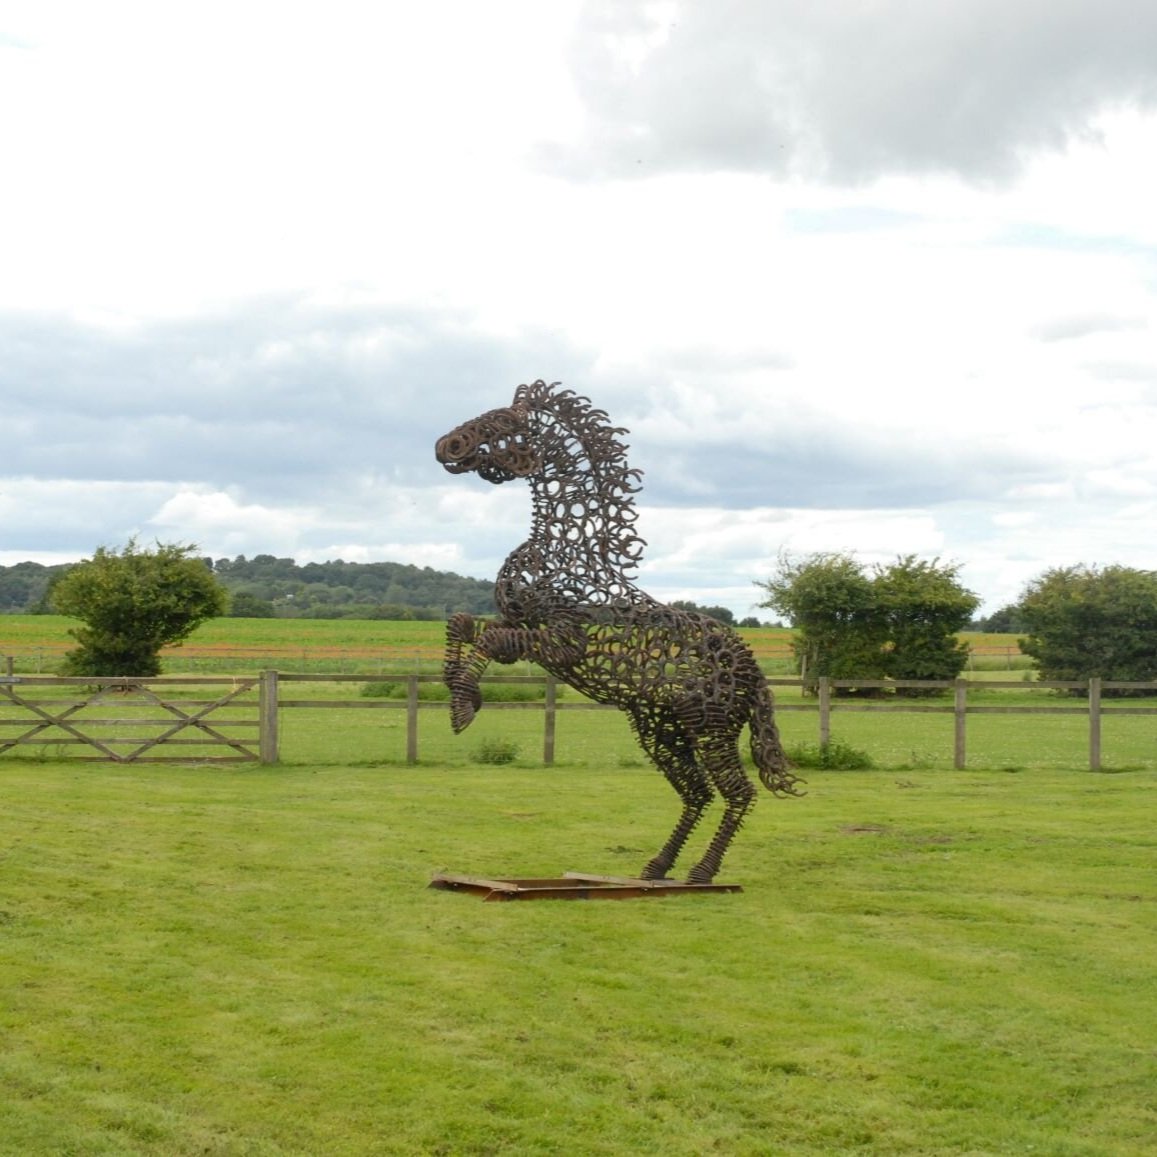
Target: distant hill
(23, 586)
(268, 586)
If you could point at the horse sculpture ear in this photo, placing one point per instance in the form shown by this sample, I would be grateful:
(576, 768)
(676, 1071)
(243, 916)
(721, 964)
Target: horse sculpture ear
(524, 459)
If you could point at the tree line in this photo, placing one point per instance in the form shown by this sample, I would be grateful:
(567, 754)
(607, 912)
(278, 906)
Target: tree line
(269, 587)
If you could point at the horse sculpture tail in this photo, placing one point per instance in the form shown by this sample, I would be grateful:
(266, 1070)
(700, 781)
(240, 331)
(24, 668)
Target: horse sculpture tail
(775, 769)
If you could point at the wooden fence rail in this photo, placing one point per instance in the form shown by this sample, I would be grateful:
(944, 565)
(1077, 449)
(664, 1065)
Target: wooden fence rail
(25, 719)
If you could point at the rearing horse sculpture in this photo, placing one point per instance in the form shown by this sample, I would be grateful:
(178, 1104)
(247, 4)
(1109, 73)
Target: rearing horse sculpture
(687, 683)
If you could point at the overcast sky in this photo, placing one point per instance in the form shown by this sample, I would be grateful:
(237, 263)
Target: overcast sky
(870, 277)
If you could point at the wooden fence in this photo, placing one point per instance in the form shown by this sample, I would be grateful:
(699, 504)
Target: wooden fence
(135, 720)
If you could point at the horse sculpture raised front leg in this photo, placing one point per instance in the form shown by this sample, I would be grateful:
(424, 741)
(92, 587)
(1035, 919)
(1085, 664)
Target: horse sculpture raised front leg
(469, 652)
(461, 674)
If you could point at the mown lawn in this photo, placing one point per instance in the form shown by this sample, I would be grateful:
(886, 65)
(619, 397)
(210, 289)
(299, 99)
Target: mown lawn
(249, 962)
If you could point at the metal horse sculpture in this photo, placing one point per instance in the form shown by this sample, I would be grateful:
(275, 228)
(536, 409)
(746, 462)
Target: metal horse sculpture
(687, 683)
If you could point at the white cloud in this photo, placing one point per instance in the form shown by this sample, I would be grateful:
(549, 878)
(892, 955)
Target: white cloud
(240, 313)
(848, 91)
(54, 517)
(209, 516)
(1015, 518)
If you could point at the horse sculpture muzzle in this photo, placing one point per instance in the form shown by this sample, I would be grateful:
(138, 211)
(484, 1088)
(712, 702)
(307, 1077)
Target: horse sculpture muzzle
(457, 451)
(493, 445)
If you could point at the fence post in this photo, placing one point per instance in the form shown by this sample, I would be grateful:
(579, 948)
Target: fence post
(268, 743)
(548, 722)
(411, 718)
(825, 693)
(960, 715)
(1095, 724)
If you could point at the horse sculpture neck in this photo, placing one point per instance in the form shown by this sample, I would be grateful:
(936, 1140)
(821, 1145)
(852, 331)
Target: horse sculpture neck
(582, 547)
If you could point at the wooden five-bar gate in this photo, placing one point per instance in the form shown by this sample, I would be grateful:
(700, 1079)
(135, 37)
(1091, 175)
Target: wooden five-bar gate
(128, 720)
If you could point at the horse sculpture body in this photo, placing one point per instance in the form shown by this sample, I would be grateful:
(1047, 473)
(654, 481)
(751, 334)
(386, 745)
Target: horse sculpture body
(687, 683)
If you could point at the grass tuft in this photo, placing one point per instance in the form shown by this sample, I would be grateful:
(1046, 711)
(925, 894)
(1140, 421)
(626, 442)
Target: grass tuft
(831, 756)
(496, 751)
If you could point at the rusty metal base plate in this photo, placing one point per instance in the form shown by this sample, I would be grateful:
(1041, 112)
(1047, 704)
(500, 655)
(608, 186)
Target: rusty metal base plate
(572, 886)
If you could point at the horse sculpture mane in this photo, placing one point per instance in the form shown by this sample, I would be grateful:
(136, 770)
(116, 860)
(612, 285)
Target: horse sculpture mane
(568, 601)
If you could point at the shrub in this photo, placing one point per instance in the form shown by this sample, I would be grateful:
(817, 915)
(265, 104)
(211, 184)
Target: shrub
(381, 690)
(496, 751)
(133, 602)
(900, 622)
(512, 692)
(831, 756)
(1084, 622)
(436, 692)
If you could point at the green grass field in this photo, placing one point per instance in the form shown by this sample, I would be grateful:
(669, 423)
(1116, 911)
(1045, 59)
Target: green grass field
(247, 961)
(198, 961)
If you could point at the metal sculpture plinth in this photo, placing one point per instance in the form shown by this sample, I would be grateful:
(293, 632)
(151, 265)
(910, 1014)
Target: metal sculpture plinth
(687, 683)
(572, 886)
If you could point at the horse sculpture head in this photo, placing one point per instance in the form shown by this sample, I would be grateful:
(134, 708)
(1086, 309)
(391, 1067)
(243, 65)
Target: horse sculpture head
(495, 445)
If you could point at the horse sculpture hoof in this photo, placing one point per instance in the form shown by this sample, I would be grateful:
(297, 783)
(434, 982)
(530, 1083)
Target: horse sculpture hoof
(463, 707)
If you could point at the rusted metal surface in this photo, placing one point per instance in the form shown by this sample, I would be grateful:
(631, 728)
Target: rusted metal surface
(571, 886)
(567, 601)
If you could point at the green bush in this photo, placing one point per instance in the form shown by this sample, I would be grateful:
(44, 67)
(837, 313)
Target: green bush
(491, 692)
(899, 622)
(512, 692)
(435, 692)
(496, 751)
(1085, 622)
(133, 602)
(381, 690)
(830, 756)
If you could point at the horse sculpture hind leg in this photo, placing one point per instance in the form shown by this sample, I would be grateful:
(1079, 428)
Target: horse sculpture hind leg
(698, 755)
(720, 755)
(673, 753)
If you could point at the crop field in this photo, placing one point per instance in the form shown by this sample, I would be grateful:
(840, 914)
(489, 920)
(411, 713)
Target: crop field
(37, 643)
(199, 961)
